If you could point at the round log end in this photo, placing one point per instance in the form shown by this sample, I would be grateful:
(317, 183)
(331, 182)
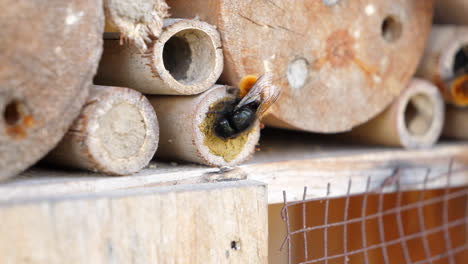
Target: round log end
(188, 56)
(420, 115)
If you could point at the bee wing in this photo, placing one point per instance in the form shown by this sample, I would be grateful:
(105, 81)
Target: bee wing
(263, 92)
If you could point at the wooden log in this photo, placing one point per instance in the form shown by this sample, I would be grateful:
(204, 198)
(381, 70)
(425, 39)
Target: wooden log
(456, 123)
(339, 64)
(445, 62)
(206, 223)
(49, 52)
(186, 59)
(116, 133)
(187, 129)
(451, 12)
(414, 120)
(136, 20)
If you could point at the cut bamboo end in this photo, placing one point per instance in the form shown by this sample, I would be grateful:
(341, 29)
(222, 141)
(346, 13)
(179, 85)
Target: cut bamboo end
(456, 123)
(186, 59)
(413, 121)
(187, 129)
(445, 59)
(116, 133)
(136, 20)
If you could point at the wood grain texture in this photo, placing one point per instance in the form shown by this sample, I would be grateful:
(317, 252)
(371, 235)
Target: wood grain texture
(185, 59)
(415, 120)
(49, 52)
(181, 224)
(116, 133)
(338, 65)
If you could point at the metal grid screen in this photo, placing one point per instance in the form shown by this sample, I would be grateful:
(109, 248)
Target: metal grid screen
(426, 226)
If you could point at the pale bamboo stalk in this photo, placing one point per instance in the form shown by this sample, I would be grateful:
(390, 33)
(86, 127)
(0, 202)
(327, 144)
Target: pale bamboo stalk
(116, 133)
(456, 123)
(439, 65)
(413, 121)
(186, 59)
(187, 133)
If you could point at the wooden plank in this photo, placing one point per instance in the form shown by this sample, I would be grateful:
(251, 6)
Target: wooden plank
(225, 223)
(306, 161)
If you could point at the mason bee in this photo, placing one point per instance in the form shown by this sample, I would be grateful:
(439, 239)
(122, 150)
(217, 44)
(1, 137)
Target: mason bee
(252, 103)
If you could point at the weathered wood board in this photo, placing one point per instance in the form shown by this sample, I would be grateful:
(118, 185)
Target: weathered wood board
(49, 52)
(338, 65)
(305, 162)
(208, 223)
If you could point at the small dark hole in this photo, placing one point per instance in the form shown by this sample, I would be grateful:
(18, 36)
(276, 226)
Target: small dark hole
(177, 57)
(461, 61)
(12, 114)
(235, 245)
(391, 29)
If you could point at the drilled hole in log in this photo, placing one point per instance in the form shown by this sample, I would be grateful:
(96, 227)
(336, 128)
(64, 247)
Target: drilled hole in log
(419, 114)
(189, 56)
(12, 113)
(391, 29)
(461, 60)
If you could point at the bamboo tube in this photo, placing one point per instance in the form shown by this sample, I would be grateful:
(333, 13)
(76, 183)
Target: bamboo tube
(456, 123)
(49, 52)
(339, 63)
(116, 133)
(445, 62)
(186, 59)
(187, 129)
(451, 12)
(136, 20)
(413, 121)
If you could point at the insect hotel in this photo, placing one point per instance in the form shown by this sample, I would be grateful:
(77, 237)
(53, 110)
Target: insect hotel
(224, 131)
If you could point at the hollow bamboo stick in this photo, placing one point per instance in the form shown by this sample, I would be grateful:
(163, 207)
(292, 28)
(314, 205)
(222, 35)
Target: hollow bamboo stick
(187, 129)
(413, 121)
(49, 52)
(186, 59)
(451, 12)
(116, 133)
(339, 63)
(456, 123)
(445, 62)
(136, 20)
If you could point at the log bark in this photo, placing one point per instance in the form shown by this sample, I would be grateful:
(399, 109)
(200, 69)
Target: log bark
(116, 133)
(444, 61)
(136, 20)
(186, 59)
(456, 123)
(415, 120)
(49, 52)
(339, 65)
(187, 130)
(451, 12)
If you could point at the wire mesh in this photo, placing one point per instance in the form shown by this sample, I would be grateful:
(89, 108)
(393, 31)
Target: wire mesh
(424, 226)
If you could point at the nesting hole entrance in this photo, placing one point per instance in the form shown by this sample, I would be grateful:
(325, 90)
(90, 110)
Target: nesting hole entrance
(235, 245)
(461, 60)
(419, 114)
(13, 113)
(392, 29)
(189, 56)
